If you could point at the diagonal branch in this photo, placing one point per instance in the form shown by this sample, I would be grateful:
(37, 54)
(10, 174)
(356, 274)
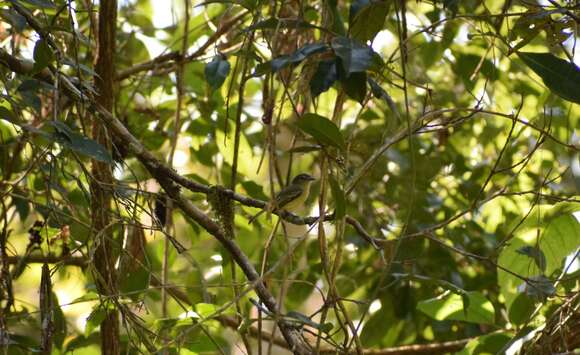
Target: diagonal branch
(166, 176)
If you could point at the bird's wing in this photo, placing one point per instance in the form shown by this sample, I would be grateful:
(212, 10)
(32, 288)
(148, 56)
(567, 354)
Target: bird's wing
(288, 194)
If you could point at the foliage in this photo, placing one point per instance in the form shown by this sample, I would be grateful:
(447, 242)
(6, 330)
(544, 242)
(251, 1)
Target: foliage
(443, 136)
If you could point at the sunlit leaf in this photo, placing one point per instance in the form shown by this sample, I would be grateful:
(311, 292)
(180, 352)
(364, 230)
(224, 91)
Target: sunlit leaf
(449, 306)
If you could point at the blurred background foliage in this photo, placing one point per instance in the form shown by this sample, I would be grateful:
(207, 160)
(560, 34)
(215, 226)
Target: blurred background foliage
(434, 124)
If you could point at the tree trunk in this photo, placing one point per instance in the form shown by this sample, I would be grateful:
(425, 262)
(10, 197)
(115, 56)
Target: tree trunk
(101, 186)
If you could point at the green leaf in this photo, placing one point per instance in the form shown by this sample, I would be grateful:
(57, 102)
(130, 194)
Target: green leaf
(322, 129)
(375, 333)
(305, 149)
(206, 310)
(43, 55)
(217, 71)
(337, 22)
(355, 86)
(254, 190)
(95, 319)
(339, 199)
(7, 115)
(59, 323)
(560, 76)
(554, 231)
(79, 143)
(295, 58)
(326, 74)
(486, 344)
(354, 56)
(367, 18)
(521, 309)
(380, 93)
(535, 254)
(133, 280)
(449, 306)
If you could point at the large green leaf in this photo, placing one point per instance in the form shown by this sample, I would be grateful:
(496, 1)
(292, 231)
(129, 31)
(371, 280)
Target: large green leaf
(473, 307)
(295, 58)
(355, 86)
(486, 344)
(322, 129)
(43, 55)
(367, 18)
(560, 76)
(555, 232)
(354, 56)
(79, 143)
(326, 74)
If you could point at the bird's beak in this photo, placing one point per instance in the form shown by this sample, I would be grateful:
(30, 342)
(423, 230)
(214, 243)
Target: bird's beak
(311, 178)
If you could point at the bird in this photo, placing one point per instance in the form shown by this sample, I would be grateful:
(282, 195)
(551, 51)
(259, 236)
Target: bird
(291, 197)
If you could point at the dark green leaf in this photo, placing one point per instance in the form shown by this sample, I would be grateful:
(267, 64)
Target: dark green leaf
(7, 115)
(306, 51)
(322, 129)
(22, 205)
(326, 74)
(451, 5)
(560, 76)
(337, 24)
(295, 58)
(59, 323)
(521, 309)
(305, 149)
(354, 56)
(79, 143)
(43, 55)
(380, 93)
(355, 86)
(339, 199)
(535, 254)
(133, 280)
(254, 190)
(95, 319)
(487, 344)
(367, 18)
(375, 334)
(217, 71)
